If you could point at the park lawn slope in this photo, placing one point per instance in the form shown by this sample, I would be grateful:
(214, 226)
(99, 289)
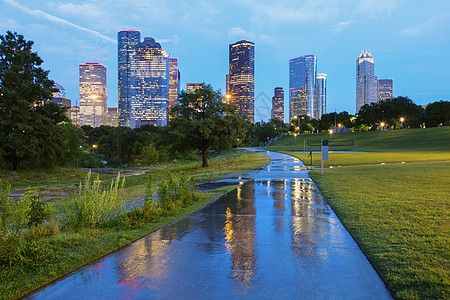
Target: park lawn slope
(399, 215)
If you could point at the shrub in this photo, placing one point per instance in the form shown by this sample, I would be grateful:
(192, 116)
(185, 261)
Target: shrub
(94, 205)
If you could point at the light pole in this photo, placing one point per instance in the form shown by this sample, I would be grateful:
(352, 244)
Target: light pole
(402, 120)
(331, 135)
(295, 138)
(382, 129)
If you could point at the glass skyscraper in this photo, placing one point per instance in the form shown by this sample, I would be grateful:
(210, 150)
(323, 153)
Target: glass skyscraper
(385, 89)
(321, 95)
(366, 81)
(143, 80)
(149, 84)
(241, 79)
(174, 83)
(302, 86)
(278, 104)
(92, 94)
(127, 41)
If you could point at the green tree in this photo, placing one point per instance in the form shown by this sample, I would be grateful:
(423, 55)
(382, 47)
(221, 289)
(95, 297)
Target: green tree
(438, 114)
(29, 132)
(203, 121)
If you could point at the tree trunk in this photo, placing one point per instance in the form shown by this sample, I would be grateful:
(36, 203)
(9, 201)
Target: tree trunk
(205, 157)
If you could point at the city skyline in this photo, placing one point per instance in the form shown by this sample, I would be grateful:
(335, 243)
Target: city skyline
(407, 40)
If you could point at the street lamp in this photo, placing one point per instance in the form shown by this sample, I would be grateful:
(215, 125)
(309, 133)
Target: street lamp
(331, 135)
(402, 120)
(295, 138)
(382, 129)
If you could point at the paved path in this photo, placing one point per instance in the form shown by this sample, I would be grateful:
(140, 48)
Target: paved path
(273, 237)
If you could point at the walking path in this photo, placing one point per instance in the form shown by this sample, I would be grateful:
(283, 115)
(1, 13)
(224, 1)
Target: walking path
(272, 237)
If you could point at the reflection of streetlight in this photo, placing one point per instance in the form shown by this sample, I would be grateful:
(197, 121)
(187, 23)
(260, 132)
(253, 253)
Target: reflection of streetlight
(382, 129)
(402, 120)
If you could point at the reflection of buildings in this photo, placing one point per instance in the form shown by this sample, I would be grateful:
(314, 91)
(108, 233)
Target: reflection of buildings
(278, 104)
(385, 89)
(240, 234)
(241, 79)
(92, 94)
(366, 81)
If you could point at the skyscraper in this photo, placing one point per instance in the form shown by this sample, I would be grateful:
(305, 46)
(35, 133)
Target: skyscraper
(192, 87)
(321, 95)
(241, 83)
(149, 84)
(127, 41)
(278, 104)
(174, 82)
(92, 94)
(302, 86)
(385, 89)
(366, 81)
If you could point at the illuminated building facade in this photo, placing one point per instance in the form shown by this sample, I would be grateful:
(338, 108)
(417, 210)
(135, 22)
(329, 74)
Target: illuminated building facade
(92, 94)
(302, 86)
(192, 87)
(241, 82)
(385, 89)
(60, 97)
(278, 104)
(321, 95)
(112, 117)
(366, 81)
(127, 41)
(149, 84)
(174, 83)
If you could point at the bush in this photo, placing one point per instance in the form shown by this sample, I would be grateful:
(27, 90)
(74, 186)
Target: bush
(94, 206)
(91, 160)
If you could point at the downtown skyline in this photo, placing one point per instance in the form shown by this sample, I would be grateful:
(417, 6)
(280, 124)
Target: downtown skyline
(67, 34)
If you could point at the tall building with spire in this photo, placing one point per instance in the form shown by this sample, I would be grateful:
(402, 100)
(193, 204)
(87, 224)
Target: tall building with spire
(126, 41)
(366, 81)
(93, 109)
(277, 112)
(241, 79)
(302, 86)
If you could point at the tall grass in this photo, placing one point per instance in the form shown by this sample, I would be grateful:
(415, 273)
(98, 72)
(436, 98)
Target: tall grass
(94, 205)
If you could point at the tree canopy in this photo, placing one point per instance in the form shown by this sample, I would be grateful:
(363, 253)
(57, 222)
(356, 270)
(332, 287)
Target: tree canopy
(33, 131)
(202, 121)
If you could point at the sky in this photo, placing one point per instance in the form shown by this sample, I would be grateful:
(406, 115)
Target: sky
(409, 40)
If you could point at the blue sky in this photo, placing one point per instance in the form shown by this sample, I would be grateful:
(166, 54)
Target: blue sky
(409, 40)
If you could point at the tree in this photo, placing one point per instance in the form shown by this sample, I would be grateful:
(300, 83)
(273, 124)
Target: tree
(438, 114)
(31, 132)
(202, 121)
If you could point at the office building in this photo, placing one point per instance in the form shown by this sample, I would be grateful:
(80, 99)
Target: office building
(277, 112)
(192, 87)
(92, 94)
(302, 86)
(143, 80)
(60, 97)
(241, 82)
(127, 41)
(321, 95)
(112, 117)
(174, 83)
(366, 81)
(75, 115)
(385, 89)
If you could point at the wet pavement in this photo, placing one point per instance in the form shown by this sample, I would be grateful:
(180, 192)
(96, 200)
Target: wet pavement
(272, 237)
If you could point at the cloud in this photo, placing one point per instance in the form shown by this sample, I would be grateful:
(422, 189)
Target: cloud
(236, 33)
(341, 25)
(40, 13)
(432, 28)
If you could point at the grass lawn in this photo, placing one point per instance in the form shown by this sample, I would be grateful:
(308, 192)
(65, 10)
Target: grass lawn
(398, 213)
(66, 251)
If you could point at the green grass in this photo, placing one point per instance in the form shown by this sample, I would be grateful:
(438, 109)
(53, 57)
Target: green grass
(66, 251)
(429, 139)
(399, 215)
